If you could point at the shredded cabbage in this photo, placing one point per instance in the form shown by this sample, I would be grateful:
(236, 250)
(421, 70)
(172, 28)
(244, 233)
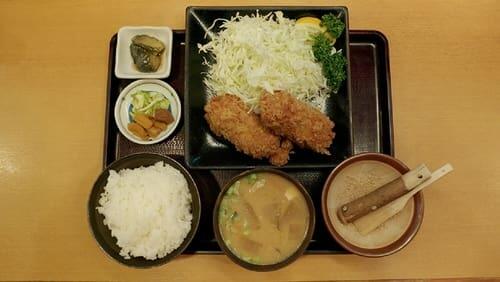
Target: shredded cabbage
(147, 102)
(253, 54)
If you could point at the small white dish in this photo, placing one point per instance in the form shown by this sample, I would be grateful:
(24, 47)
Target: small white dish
(123, 108)
(124, 64)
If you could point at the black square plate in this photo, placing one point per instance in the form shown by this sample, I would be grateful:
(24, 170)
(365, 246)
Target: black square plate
(202, 148)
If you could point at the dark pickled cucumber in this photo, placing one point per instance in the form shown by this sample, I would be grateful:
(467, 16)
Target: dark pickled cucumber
(146, 52)
(149, 43)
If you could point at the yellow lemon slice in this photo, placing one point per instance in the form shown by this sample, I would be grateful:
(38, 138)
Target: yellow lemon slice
(315, 23)
(309, 20)
(312, 22)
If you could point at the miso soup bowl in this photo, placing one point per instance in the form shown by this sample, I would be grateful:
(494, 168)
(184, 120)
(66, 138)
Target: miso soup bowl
(291, 258)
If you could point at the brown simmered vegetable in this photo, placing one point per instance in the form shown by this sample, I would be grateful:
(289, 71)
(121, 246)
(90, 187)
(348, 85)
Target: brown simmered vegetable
(164, 116)
(146, 52)
(137, 130)
(154, 131)
(143, 120)
(146, 126)
(160, 125)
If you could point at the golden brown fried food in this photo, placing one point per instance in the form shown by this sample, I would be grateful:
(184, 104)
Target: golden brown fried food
(229, 117)
(296, 120)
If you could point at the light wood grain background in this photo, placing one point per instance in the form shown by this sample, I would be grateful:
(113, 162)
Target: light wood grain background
(445, 64)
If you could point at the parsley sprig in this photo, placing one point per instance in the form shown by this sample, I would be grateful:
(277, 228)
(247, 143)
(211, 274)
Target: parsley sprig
(333, 62)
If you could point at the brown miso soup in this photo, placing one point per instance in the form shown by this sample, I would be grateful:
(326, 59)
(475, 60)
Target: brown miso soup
(263, 218)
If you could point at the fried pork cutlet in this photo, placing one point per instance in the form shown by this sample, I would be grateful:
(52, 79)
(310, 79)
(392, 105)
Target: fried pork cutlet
(302, 124)
(230, 118)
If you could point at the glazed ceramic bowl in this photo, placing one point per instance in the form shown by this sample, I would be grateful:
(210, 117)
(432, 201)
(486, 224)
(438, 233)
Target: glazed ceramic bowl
(123, 108)
(101, 232)
(268, 267)
(357, 175)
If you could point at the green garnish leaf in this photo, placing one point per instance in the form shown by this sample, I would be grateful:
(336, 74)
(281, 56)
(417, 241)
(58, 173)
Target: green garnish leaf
(333, 25)
(332, 63)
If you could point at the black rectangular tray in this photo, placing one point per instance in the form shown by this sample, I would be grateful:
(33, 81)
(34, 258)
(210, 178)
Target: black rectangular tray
(371, 127)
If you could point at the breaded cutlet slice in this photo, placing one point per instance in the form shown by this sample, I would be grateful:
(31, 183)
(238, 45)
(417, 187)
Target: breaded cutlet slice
(229, 117)
(301, 123)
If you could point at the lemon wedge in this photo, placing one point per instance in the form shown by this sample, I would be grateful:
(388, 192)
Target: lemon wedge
(312, 22)
(315, 23)
(309, 20)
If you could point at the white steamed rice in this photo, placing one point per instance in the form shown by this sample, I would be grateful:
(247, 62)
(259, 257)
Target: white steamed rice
(147, 209)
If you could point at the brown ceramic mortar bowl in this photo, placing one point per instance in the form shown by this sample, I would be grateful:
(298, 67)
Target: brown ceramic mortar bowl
(404, 238)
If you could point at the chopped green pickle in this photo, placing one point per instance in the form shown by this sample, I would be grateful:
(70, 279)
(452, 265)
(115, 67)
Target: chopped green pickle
(233, 190)
(252, 178)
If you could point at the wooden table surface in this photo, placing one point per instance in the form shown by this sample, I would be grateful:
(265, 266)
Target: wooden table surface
(445, 66)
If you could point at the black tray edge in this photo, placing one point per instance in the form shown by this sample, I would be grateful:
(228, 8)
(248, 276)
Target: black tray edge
(111, 61)
(386, 64)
